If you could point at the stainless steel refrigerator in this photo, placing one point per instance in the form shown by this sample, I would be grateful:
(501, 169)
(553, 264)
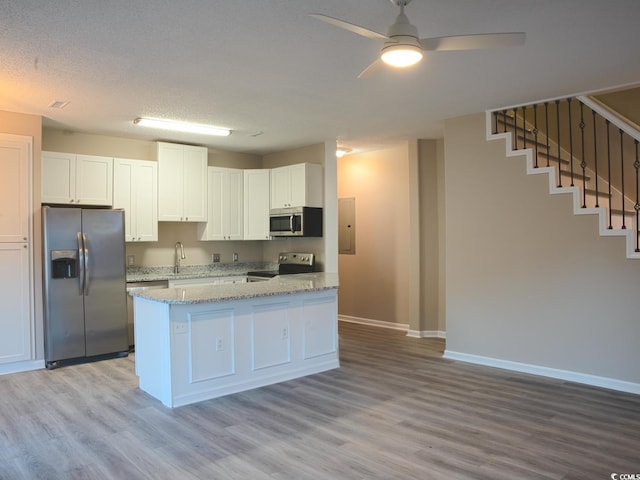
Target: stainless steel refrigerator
(84, 283)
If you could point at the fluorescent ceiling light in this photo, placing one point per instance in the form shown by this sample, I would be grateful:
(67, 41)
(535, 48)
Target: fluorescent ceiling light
(401, 55)
(182, 126)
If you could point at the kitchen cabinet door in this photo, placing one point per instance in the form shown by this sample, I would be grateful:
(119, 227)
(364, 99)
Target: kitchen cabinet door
(256, 204)
(68, 178)
(299, 185)
(135, 190)
(15, 189)
(94, 180)
(58, 178)
(224, 218)
(182, 183)
(195, 184)
(280, 187)
(15, 304)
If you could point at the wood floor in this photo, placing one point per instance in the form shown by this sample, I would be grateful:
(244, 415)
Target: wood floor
(395, 409)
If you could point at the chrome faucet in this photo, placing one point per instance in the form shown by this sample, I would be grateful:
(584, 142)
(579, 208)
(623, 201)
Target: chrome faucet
(176, 266)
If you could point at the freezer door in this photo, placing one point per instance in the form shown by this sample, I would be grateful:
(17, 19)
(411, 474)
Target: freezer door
(64, 317)
(105, 301)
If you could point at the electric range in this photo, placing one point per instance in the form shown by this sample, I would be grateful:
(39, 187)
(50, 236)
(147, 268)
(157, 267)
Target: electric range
(289, 263)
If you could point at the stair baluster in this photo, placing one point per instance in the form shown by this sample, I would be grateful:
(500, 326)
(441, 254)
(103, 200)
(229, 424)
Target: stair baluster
(624, 224)
(636, 165)
(570, 141)
(608, 123)
(583, 162)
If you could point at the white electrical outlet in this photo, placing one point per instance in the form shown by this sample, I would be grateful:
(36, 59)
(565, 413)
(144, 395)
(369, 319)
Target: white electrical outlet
(285, 333)
(131, 260)
(219, 344)
(235, 257)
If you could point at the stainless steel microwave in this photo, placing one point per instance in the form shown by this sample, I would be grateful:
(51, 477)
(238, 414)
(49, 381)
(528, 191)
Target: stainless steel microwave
(295, 222)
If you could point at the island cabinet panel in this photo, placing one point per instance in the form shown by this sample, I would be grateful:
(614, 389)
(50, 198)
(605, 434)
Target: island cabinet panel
(320, 331)
(270, 339)
(211, 344)
(187, 353)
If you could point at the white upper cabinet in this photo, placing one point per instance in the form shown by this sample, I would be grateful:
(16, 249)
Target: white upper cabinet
(297, 185)
(225, 206)
(135, 189)
(182, 183)
(256, 204)
(68, 178)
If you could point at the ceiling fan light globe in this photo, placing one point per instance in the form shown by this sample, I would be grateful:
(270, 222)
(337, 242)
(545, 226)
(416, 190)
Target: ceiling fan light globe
(401, 55)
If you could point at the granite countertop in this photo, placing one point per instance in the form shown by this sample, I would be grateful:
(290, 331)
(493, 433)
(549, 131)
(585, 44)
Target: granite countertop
(280, 285)
(150, 274)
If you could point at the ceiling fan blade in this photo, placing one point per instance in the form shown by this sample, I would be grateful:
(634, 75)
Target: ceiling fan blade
(372, 69)
(473, 42)
(365, 32)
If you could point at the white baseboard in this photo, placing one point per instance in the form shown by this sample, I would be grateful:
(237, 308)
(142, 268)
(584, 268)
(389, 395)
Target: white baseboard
(393, 326)
(426, 334)
(373, 323)
(21, 366)
(593, 380)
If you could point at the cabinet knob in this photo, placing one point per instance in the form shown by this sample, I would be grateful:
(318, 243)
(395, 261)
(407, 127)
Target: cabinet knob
(24, 246)
(24, 238)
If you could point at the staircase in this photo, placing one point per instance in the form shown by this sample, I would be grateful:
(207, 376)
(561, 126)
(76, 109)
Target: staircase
(587, 151)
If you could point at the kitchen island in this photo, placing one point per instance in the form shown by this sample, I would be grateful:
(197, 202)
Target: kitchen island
(194, 343)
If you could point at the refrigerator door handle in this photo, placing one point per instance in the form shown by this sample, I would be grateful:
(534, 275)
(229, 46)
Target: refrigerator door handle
(87, 272)
(80, 262)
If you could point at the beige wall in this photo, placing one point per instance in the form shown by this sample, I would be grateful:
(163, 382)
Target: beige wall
(431, 190)
(397, 274)
(527, 281)
(374, 282)
(31, 126)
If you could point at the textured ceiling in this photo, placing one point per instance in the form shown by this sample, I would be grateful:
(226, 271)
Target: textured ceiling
(266, 66)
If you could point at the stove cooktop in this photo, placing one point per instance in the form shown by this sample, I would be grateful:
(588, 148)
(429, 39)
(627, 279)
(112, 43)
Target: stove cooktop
(289, 263)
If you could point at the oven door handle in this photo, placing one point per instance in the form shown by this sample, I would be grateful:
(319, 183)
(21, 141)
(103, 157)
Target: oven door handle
(291, 223)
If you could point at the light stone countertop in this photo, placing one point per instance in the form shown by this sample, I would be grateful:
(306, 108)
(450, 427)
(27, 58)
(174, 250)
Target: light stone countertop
(149, 274)
(280, 285)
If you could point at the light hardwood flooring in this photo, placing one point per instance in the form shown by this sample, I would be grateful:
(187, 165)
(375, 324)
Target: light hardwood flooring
(395, 409)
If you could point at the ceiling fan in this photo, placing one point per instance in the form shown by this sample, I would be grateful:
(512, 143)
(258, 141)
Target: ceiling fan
(402, 47)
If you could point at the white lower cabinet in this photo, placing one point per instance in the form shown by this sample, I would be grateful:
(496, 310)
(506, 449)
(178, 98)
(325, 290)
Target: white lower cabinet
(187, 353)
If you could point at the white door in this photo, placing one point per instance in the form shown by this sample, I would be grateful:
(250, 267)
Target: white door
(16, 311)
(94, 180)
(15, 303)
(233, 210)
(256, 204)
(146, 201)
(170, 182)
(195, 184)
(14, 190)
(280, 188)
(123, 194)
